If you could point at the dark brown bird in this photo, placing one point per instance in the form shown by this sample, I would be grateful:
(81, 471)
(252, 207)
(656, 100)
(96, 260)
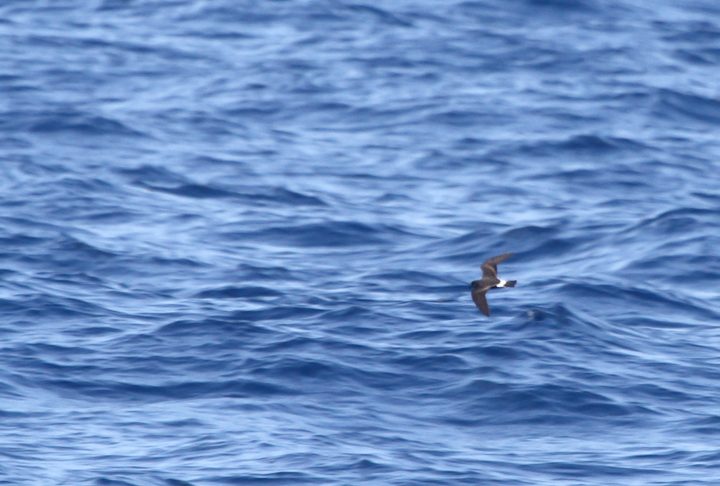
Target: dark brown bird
(489, 281)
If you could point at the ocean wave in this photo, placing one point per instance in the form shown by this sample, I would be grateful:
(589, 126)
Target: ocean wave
(237, 239)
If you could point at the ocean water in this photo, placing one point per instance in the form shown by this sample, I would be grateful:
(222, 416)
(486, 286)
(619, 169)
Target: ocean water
(237, 237)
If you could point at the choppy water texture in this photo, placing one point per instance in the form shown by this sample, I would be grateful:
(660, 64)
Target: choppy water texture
(236, 240)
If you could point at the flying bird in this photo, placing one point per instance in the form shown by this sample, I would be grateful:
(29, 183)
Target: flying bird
(489, 281)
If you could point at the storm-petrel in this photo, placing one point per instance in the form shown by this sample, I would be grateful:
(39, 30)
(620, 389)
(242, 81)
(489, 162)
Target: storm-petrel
(489, 281)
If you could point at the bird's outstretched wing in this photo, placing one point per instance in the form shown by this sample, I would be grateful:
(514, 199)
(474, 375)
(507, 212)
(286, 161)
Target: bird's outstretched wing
(489, 268)
(481, 302)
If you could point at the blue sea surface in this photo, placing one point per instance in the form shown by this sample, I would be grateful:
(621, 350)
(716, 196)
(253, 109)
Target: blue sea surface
(237, 238)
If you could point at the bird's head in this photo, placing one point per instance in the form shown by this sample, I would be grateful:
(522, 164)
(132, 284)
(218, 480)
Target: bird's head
(475, 284)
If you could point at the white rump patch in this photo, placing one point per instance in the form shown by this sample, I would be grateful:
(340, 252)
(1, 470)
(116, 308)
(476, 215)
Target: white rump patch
(502, 283)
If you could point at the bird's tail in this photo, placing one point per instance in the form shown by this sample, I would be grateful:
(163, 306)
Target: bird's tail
(510, 283)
